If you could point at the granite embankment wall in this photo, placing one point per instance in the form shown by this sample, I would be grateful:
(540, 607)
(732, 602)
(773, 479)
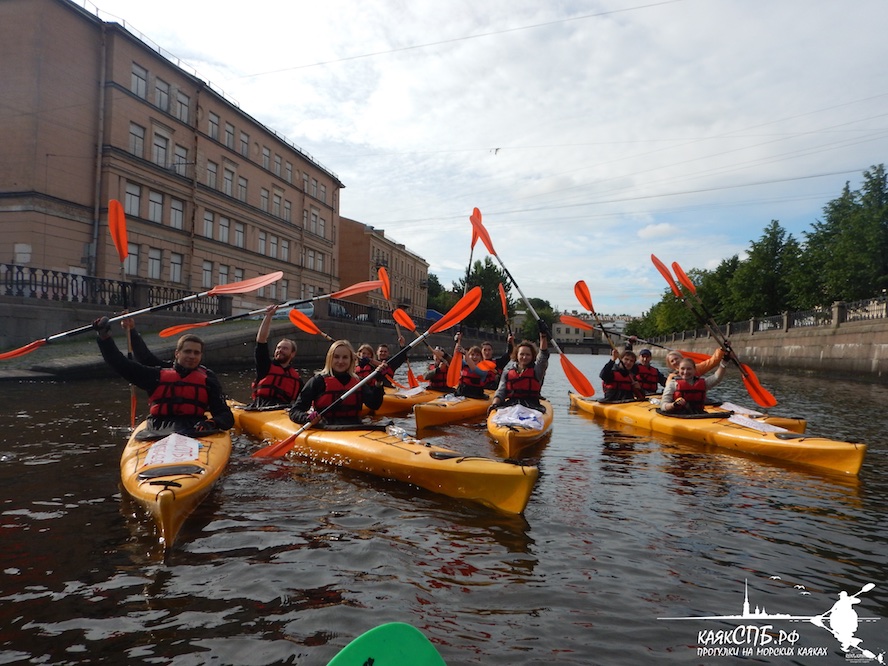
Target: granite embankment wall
(856, 349)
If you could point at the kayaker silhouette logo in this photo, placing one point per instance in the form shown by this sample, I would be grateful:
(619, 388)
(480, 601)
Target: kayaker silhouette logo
(769, 637)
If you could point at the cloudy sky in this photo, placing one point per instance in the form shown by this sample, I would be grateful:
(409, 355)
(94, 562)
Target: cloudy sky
(589, 134)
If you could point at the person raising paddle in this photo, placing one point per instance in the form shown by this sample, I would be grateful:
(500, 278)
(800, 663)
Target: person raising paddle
(324, 389)
(649, 377)
(523, 377)
(687, 393)
(180, 396)
(618, 377)
(277, 381)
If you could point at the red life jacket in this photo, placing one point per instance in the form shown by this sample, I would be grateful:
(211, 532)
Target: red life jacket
(694, 394)
(280, 384)
(523, 385)
(350, 408)
(647, 377)
(438, 380)
(622, 381)
(363, 370)
(180, 396)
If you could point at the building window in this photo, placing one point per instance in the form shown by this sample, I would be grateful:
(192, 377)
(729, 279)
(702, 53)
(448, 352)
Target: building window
(288, 172)
(228, 182)
(285, 250)
(223, 274)
(131, 265)
(183, 102)
(212, 168)
(162, 95)
(277, 165)
(288, 211)
(284, 285)
(266, 158)
(155, 259)
(310, 259)
(245, 144)
(213, 126)
(324, 193)
(133, 200)
(305, 183)
(322, 227)
(276, 205)
(313, 223)
(319, 262)
(155, 207)
(177, 214)
(161, 148)
(242, 188)
(238, 234)
(314, 187)
(229, 136)
(238, 274)
(139, 81)
(181, 159)
(137, 140)
(175, 267)
(207, 279)
(262, 243)
(273, 247)
(208, 224)
(263, 200)
(224, 224)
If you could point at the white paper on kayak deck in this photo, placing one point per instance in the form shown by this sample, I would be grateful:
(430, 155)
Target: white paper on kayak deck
(761, 426)
(737, 409)
(173, 448)
(519, 415)
(410, 392)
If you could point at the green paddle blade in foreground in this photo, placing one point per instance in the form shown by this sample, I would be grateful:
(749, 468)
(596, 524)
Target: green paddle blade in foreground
(393, 644)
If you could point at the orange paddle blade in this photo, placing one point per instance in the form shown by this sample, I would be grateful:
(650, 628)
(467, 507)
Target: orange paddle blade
(404, 319)
(278, 449)
(667, 276)
(757, 392)
(303, 323)
(504, 300)
(21, 351)
(179, 328)
(583, 295)
(479, 229)
(576, 378)
(487, 366)
(696, 357)
(454, 370)
(246, 285)
(357, 288)
(117, 227)
(476, 214)
(577, 322)
(463, 308)
(683, 278)
(386, 285)
(412, 382)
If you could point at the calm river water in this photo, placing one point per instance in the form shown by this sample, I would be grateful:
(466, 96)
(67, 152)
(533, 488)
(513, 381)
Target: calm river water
(289, 560)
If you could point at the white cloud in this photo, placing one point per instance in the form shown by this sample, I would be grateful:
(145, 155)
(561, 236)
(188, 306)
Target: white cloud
(680, 129)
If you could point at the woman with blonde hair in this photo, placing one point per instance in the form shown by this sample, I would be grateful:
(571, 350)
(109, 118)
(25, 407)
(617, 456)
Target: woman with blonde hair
(325, 390)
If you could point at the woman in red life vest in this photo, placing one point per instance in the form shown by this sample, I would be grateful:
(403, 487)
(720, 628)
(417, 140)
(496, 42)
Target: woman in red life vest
(277, 381)
(437, 374)
(674, 357)
(366, 362)
(473, 378)
(322, 391)
(618, 378)
(686, 394)
(523, 377)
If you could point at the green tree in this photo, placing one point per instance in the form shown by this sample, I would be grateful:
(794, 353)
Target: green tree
(439, 299)
(760, 286)
(530, 329)
(489, 313)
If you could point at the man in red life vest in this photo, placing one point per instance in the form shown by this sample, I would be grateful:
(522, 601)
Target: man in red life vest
(180, 396)
(277, 381)
(649, 377)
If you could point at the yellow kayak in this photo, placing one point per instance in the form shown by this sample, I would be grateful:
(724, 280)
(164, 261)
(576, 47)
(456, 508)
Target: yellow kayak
(399, 401)
(170, 475)
(516, 427)
(450, 409)
(390, 454)
(733, 431)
